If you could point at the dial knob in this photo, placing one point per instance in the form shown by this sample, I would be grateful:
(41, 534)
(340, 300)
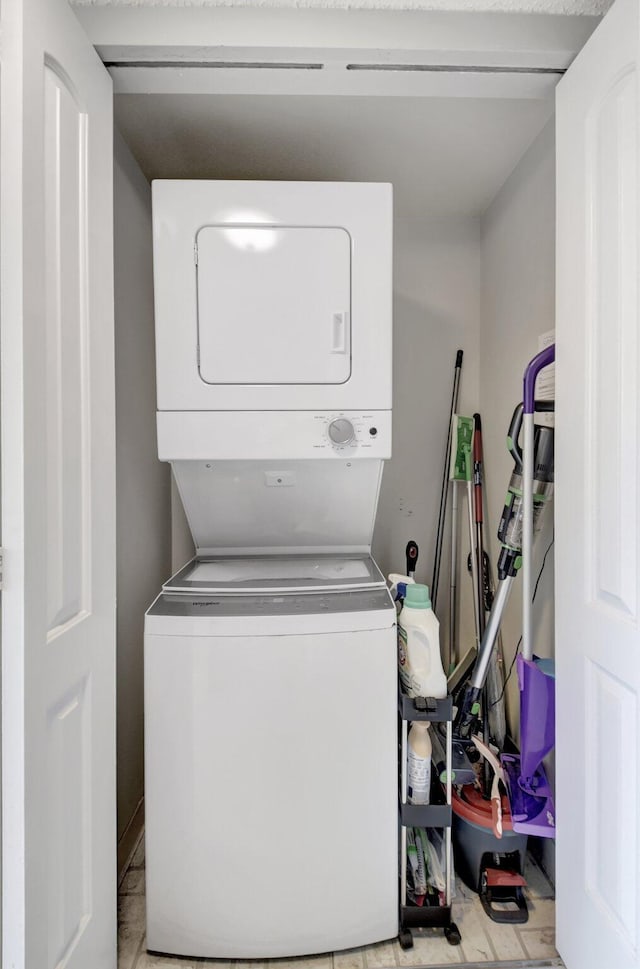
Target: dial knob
(341, 431)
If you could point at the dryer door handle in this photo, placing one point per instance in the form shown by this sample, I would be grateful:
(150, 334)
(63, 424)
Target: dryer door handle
(339, 324)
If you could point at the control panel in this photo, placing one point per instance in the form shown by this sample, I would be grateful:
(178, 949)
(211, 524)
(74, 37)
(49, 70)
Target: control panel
(273, 435)
(349, 432)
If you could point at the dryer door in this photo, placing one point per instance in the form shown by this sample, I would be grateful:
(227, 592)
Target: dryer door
(274, 304)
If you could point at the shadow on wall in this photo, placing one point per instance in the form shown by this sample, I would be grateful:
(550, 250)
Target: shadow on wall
(425, 344)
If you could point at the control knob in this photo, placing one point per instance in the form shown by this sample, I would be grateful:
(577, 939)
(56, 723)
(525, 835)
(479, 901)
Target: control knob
(341, 431)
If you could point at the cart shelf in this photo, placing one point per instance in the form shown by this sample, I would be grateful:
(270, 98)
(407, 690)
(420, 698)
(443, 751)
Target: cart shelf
(424, 816)
(425, 708)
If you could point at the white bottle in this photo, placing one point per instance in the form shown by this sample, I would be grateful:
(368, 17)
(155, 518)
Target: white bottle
(419, 763)
(421, 671)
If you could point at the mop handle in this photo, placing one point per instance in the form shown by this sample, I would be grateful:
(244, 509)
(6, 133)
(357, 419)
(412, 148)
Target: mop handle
(445, 483)
(539, 362)
(478, 517)
(453, 581)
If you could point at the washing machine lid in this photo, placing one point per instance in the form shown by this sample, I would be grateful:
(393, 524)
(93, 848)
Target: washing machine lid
(325, 504)
(284, 574)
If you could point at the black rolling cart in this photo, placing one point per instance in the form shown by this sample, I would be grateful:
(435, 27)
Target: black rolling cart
(425, 816)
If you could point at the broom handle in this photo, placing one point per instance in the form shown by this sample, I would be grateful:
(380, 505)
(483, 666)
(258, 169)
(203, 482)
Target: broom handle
(481, 668)
(445, 484)
(453, 590)
(474, 562)
(478, 513)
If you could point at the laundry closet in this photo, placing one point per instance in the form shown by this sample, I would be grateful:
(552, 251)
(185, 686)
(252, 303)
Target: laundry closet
(464, 173)
(463, 129)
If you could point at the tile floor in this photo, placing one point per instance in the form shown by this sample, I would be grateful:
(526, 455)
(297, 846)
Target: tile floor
(483, 941)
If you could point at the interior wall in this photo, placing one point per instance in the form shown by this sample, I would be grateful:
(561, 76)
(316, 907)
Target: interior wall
(143, 484)
(436, 312)
(182, 547)
(518, 305)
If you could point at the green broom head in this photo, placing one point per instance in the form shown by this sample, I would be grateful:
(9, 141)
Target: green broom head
(461, 467)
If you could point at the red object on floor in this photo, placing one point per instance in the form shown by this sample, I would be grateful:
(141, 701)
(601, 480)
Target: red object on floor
(496, 878)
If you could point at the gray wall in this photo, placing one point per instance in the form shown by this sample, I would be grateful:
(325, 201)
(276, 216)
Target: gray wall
(143, 486)
(182, 547)
(436, 312)
(518, 304)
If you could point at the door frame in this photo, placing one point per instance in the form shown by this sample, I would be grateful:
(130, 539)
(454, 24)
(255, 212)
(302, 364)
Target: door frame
(487, 55)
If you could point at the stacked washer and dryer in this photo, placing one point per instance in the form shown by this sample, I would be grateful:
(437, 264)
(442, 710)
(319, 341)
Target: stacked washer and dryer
(270, 659)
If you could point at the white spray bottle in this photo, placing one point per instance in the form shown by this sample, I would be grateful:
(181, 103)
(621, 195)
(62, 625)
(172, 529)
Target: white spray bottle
(398, 584)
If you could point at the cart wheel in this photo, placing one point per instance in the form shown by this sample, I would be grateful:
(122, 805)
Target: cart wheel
(405, 939)
(452, 934)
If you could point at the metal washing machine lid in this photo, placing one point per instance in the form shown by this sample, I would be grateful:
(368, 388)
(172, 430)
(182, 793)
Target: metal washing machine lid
(267, 574)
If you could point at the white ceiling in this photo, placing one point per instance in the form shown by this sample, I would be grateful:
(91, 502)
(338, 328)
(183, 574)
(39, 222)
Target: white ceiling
(515, 6)
(444, 156)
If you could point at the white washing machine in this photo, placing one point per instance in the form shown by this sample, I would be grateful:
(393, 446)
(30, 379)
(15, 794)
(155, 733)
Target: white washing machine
(270, 660)
(270, 732)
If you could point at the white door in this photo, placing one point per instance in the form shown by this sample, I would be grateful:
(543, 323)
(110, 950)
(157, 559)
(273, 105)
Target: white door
(597, 505)
(58, 514)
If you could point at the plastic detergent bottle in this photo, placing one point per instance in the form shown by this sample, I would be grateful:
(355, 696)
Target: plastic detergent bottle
(421, 671)
(419, 763)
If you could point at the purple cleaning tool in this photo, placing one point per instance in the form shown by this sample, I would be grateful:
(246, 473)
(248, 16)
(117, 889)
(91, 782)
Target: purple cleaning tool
(530, 796)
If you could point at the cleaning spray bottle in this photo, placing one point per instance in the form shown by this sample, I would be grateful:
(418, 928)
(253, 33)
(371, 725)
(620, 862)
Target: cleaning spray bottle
(398, 585)
(419, 763)
(421, 672)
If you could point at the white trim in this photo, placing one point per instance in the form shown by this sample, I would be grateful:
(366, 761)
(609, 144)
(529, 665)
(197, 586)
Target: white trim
(476, 38)
(334, 79)
(442, 55)
(581, 8)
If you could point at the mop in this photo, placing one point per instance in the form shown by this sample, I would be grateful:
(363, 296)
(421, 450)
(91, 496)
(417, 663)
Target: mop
(529, 492)
(460, 470)
(530, 796)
